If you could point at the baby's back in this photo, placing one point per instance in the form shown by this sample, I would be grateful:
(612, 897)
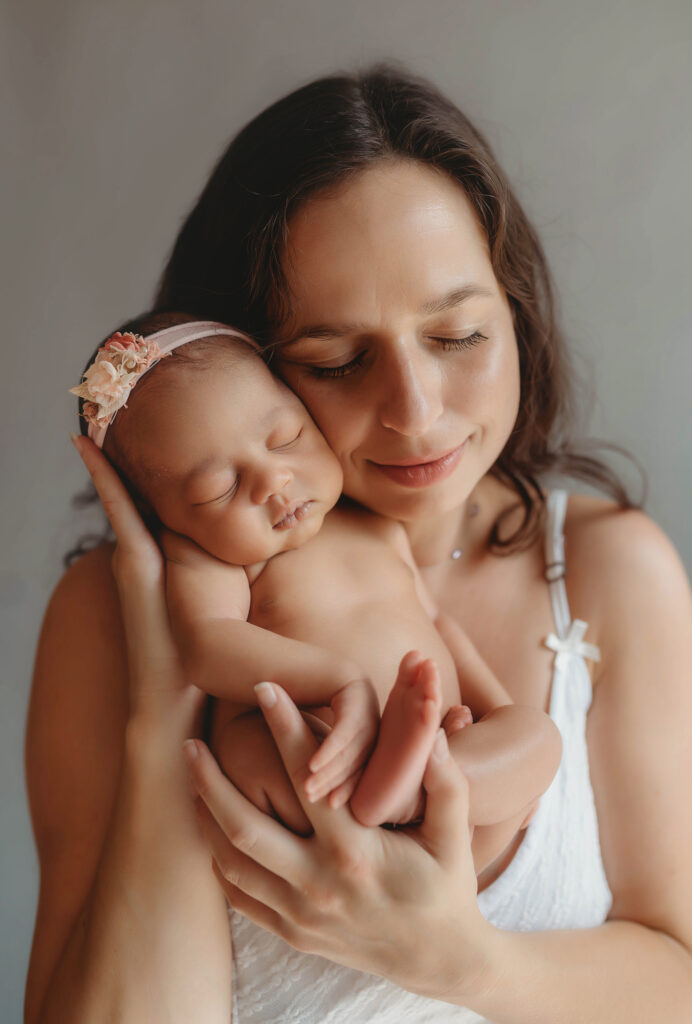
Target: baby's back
(350, 591)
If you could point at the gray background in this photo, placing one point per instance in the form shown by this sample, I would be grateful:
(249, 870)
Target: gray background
(117, 111)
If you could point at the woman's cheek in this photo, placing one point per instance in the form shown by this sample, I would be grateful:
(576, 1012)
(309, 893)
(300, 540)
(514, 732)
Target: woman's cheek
(336, 419)
(494, 381)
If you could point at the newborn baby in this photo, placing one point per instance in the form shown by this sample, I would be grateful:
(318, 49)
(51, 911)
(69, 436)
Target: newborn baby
(270, 575)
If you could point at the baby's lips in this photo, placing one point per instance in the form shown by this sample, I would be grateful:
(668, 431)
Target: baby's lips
(297, 510)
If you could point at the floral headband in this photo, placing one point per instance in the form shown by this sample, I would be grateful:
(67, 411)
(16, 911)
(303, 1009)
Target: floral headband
(123, 361)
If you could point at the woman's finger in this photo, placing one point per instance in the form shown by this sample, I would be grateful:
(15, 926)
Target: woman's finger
(240, 823)
(130, 531)
(343, 793)
(237, 869)
(138, 568)
(296, 745)
(444, 831)
(253, 909)
(285, 806)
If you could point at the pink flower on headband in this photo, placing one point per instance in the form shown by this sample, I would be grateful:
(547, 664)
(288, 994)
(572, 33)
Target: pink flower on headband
(107, 383)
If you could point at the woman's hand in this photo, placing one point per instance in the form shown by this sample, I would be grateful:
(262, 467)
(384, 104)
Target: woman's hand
(138, 568)
(248, 757)
(130, 917)
(400, 904)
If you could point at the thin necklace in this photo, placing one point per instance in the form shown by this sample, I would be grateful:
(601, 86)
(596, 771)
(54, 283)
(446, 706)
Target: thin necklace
(456, 554)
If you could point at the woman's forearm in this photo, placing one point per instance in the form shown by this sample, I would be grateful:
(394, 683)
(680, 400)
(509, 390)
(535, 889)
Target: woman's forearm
(619, 973)
(152, 940)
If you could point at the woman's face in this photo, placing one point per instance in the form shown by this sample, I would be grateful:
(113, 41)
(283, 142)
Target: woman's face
(400, 340)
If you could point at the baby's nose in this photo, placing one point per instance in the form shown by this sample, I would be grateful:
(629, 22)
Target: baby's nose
(269, 480)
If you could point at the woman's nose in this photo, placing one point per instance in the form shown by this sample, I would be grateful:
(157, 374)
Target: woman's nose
(270, 478)
(411, 389)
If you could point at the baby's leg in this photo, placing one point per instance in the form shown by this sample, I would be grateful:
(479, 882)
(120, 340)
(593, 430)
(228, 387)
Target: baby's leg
(391, 781)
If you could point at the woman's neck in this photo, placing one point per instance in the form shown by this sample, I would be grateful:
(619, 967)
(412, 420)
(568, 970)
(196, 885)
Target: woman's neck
(465, 528)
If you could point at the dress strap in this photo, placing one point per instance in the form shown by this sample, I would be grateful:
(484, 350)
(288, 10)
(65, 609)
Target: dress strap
(570, 634)
(555, 560)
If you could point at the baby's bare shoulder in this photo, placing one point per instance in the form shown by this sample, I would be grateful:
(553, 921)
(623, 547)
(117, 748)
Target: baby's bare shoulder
(199, 586)
(183, 551)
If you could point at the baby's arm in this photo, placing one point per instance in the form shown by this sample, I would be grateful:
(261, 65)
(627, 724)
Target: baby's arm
(226, 656)
(209, 601)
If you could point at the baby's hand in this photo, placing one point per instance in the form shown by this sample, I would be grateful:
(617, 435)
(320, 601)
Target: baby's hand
(458, 717)
(337, 765)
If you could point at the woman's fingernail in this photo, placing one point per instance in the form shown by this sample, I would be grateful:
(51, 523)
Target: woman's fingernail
(73, 438)
(440, 750)
(266, 695)
(190, 751)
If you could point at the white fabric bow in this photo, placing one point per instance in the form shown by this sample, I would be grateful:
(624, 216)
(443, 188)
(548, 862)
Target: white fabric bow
(573, 643)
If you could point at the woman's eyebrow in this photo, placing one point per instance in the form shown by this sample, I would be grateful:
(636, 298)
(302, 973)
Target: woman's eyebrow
(450, 300)
(455, 298)
(321, 331)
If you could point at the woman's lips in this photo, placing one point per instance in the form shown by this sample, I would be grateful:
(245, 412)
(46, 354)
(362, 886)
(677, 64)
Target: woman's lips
(422, 474)
(293, 515)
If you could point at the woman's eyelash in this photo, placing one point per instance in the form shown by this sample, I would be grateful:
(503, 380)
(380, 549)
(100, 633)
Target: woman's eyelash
(456, 343)
(337, 371)
(448, 344)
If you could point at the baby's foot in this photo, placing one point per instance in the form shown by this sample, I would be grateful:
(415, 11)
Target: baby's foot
(410, 721)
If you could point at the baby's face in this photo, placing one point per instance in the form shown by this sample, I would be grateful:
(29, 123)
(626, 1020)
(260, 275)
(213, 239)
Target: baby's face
(235, 462)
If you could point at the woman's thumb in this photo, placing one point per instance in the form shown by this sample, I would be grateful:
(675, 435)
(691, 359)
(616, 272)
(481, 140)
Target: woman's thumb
(445, 829)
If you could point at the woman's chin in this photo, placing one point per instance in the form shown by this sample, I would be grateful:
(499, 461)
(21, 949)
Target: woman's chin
(419, 503)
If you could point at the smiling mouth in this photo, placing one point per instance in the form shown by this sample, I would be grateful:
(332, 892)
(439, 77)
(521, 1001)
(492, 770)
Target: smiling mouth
(421, 474)
(295, 514)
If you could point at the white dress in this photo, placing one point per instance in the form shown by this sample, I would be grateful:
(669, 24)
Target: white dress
(555, 880)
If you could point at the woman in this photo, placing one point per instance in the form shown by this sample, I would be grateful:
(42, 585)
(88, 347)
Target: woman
(362, 229)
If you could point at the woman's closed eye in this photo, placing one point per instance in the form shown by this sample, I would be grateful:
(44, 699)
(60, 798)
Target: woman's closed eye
(447, 344)
(454, 344)
(337, 371)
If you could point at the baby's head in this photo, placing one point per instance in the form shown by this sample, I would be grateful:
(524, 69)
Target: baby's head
(210, 443)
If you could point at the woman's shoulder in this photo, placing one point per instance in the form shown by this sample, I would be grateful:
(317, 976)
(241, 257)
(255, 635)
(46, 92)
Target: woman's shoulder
(616, 560)
(80, 667)
(88, 579)
(94, 565)
(78, 702)
(597, 529)
(82, 621)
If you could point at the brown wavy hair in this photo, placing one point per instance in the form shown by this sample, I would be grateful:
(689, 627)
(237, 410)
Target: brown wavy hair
(227, 260)
(226, 263)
